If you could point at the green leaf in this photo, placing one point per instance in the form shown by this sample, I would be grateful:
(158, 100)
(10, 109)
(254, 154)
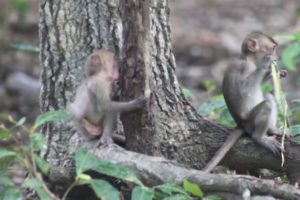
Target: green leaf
(212, 197)
(5, 181)
(188, 94)
(296, 103)
(10, 194)
(209, 85)
(50, 116)
(26, 47)
(87, 161)
(83, 178)
(212, 104)
(41, 164)
(6, 153)
(289, 54)
(38, 141)
(169, 188)
(5, 133)
(279, 96)
(37, 185)
(295, 130)
(104, 190)
(21, 121)
(225, 118)
(192, 188)
(178, 197)
(142, 193)
(267, 87)
(6, 118)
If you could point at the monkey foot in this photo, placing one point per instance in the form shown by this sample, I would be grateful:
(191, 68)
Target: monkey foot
(105, 141)
(278, 132)
(272, 144)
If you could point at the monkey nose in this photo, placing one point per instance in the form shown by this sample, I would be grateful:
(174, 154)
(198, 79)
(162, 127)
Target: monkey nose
(110, 79)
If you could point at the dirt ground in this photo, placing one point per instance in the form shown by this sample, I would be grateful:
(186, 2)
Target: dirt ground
(206, 34)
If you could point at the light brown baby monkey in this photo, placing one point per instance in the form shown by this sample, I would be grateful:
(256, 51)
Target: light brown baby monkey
(255, 113)
(93, 112)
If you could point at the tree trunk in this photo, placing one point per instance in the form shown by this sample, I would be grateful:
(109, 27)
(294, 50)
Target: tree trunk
(169, 126)
(139, 33)
(70, 30)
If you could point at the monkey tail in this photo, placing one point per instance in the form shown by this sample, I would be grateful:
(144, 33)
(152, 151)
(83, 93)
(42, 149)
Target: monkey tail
(228, 144)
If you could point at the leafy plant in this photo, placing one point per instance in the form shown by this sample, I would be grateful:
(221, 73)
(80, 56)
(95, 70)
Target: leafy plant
(188, 94)
(291, 54)
(86, 161)
(18, 157)
(192, 188)
(215, 109)
(209, 85)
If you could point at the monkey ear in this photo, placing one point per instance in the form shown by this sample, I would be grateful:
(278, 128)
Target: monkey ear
(252, 45)
(95, 60)
(93, 65)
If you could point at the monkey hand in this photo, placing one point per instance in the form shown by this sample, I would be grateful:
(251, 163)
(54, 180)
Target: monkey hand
(282, 73)
(140, 102)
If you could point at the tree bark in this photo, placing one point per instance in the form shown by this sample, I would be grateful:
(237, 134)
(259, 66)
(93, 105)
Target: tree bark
(169, 126)
(139, 33)
(69, 31)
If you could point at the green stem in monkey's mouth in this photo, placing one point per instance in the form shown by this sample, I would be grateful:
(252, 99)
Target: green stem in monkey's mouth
(281, 102)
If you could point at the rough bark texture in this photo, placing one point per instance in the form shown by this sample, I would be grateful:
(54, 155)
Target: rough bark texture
(69, 31)
(170, 127)
(139, 32)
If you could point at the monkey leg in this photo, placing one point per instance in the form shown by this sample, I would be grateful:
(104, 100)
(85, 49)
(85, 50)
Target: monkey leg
(260, 118)
(109, 123)
(272, 130)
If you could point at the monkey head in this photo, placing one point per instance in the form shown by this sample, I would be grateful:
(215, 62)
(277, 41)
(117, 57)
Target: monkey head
(258, 46)
(102, 63)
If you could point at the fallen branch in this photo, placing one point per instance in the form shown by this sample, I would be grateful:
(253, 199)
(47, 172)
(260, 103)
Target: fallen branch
(248, 155)
(156, 170)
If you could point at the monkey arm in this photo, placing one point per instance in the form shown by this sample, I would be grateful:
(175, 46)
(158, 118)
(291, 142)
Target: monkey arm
(261, 72)
(113, 106)
(257, 77)
(282, 74)
(116, 107)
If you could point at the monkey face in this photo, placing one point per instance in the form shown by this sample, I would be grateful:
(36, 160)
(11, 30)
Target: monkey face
(110, 72)
(268, 48)
(261, 48)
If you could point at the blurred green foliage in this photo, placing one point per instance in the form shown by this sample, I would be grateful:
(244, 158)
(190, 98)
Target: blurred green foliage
(291, 53)
(21, 6)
